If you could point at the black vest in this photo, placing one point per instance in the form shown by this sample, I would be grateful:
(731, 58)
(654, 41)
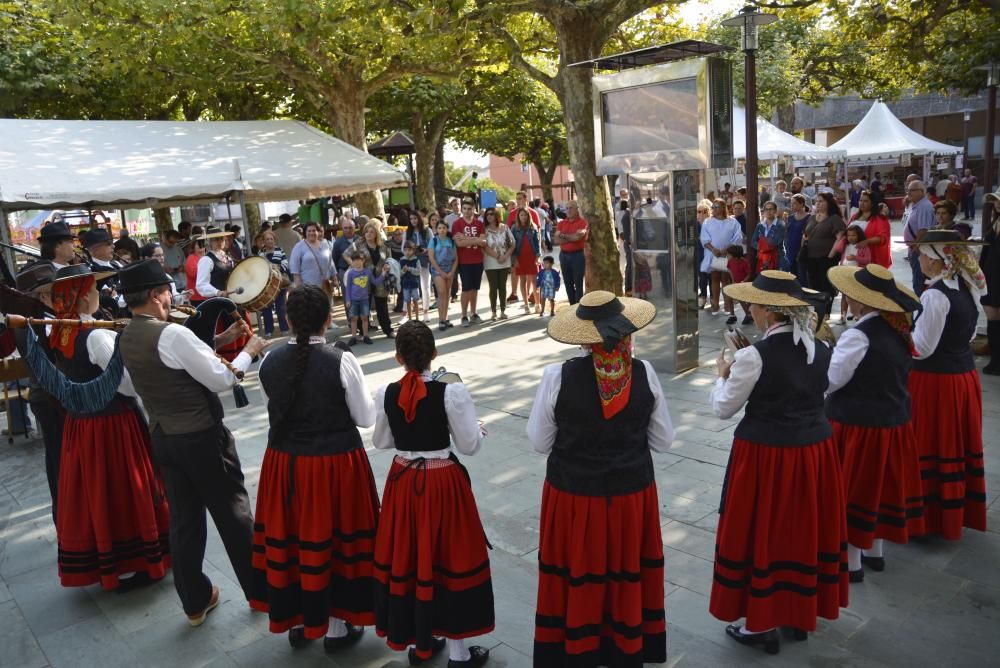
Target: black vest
(785, 407)
(319, 421)
(80, 369)
(220, 272)
(592, 456)
(429, 429)
(953, 353)
(877, 394)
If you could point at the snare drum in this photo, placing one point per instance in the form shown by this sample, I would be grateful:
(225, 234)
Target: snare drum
(260, 280)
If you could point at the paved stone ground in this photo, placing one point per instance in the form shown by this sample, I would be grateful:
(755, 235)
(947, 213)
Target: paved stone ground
(936, 604)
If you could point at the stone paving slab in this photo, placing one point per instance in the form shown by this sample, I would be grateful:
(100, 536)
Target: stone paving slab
(937, 603)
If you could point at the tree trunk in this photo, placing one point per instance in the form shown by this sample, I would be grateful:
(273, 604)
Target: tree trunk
(440, 199)
(253, 221)
(786, 117)
(544, 177)
(579, 39)
(163, 219)
(426, 139)
(346, 116)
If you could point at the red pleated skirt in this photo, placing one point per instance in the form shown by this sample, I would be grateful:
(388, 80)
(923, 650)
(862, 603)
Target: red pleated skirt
(112, 516)
(314, 540)
(432, 572)
(781, 546)
(881, 481)
(600, 581)
(948, 423)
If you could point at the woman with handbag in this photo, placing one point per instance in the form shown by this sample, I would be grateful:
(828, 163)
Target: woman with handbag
(717, 234)
(375, 253)
(496, 260)
(311, 262)
(819, 237)
(268, 249)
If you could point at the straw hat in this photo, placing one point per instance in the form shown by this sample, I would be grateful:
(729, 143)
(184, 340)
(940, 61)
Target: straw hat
(770, 288)
(946, 237)
(874, 286)
(992, 197)
(600, 316)
(212, 232)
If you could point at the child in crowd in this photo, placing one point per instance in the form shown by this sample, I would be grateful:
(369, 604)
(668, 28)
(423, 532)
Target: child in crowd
(851, 256)
(739, 270)
(357, 293)
(409, 281)
(547, 281)
(432, 572)
(442, 254)
(643, 275)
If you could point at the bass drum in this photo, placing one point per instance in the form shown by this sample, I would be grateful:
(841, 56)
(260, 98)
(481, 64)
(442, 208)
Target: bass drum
(260, 280)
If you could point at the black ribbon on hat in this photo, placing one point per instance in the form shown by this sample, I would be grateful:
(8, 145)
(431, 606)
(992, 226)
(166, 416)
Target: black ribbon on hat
(820, 300)
(609, 320)
(888, 288)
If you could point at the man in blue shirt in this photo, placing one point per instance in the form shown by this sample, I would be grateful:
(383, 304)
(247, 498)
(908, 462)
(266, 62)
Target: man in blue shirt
(340, 246)
(920, 220)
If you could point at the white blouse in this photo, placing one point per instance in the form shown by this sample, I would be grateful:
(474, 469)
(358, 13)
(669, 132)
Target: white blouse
(542, 427)
(851, 348)
(466, 434)
(729, 394)
(929, 327)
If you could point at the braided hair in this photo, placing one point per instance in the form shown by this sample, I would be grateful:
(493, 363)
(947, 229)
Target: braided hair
(307, 309)
(415, 345)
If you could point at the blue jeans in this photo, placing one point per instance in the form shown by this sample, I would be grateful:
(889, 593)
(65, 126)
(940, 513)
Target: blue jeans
(268, 314)
(918, 276)
(969, 205)
(573, 266)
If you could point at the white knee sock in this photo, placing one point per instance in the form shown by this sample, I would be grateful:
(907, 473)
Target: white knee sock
(743, 631)
(337, 628)
(457, 650)
(853, 558)
(298, 626)
(876, 549)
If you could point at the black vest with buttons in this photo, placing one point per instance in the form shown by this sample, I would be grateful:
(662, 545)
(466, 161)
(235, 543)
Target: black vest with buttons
(953, 353)
(785, 407)
(220, 272)
(592, 456)
(80, 369)
(319, 421)
(877, 394)
(429, 429)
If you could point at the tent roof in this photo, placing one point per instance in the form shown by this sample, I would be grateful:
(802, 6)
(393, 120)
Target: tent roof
(774, 143)
(59, 164)
(880, 135)
(398, 143)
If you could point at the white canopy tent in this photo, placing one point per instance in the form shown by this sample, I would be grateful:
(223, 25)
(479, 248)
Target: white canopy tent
(881, 136)
(57, 164)
(774, 143)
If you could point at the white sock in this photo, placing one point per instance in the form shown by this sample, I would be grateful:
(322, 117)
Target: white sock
(876, 549)
(337, 628)
(853, 558)
(457, 650)
(743, 631)
(299, 626)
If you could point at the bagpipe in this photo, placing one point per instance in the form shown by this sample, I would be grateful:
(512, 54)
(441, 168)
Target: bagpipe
(94, 395)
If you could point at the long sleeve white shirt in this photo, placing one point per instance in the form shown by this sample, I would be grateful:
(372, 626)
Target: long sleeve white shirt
(542, 427)
(203, 281)
(100, 348)
(929, 327)
(729, 394)
(466, 435)
(180, 348)
(359, 400)
(851, 348)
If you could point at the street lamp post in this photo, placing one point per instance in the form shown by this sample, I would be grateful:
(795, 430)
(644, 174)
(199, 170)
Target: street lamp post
(992, 81)
(966, 117)
(747, 20)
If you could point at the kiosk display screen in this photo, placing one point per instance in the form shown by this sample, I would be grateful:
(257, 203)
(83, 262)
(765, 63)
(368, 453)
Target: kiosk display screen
(659, 116)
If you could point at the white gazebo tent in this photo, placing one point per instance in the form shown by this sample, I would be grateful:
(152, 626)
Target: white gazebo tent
(774, 144)
(880, 136)
(47, 164)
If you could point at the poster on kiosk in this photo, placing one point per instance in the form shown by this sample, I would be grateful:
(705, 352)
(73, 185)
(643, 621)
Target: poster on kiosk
(659, 128)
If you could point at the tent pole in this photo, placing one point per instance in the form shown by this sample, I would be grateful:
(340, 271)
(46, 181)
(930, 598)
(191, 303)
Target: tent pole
(243, 212)
(229, 211)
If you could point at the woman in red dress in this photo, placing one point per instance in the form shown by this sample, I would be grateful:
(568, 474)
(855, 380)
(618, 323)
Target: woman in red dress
(869, 407)
(947, 397)
(781, 545)
(112, 518)
(600, 556)
(317, 505)
(876, 228)
(526, 251)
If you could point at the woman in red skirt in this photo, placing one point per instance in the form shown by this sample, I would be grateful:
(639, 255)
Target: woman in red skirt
(781, 545)
(944, 385)
(600, 557)
(433, 587)
(869, 407)
(112, 518)
(317, 505)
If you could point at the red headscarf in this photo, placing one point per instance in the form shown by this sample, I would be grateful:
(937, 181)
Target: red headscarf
(65, 302)
(411, 391)
(613, 370)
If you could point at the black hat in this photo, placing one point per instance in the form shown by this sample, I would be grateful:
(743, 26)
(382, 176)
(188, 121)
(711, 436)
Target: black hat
(55, 232)
(35, 276)
(143, 276)
(72, 272)
(950, 237)
(95, 236)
